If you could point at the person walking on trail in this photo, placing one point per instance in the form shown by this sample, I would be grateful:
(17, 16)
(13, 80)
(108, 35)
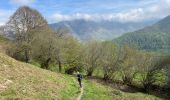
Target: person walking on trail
(79, 78)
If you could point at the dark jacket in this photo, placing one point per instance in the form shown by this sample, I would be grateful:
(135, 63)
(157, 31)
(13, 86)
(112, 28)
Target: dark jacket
(79, 77)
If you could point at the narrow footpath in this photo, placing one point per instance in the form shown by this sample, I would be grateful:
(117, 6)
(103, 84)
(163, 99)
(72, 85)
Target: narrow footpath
(81, 93)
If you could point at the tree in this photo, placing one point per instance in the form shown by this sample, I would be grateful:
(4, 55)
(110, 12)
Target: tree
(149, 67)
(168, 76)
(73, 54)
(22, 24)
(43, 44)
(59, 52)
(129, 64)
(91, 56)
(109, 59)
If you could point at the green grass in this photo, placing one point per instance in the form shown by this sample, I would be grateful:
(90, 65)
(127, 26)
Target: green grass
(35, 63)
(72, 89)
(97, 91)
(2, 39)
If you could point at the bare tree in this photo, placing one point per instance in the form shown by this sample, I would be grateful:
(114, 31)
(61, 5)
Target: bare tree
(22, 24)
(149, 67)
(109, 59)
(129, 64)
(91, 56)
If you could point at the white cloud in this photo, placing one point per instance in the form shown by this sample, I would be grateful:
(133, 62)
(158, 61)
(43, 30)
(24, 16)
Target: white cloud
(22, 2)
(156, 10)
(159, 10)
(132, 15)
(61, 17)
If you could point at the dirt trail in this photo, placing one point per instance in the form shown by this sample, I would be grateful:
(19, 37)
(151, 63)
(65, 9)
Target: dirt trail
(81, 93)
(81, 90)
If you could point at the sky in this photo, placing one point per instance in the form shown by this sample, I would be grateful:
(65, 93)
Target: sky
(95, 10)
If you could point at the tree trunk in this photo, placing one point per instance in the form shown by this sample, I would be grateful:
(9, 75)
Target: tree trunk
(127, 80)
(106, 77)
(146, 87)
(46, 63)
(59, 65)
(89, 73)
(27, 56)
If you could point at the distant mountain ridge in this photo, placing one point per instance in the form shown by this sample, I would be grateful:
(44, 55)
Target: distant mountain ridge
(1, 30)
(98, 30)
(154, 37)
(101, 30)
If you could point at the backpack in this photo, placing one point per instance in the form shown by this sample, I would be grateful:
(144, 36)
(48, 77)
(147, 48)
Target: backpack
(79, 76)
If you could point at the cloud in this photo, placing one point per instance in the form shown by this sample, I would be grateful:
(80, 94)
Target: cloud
(133, 15)
(61, 17)
(22, 2)
(156, 9)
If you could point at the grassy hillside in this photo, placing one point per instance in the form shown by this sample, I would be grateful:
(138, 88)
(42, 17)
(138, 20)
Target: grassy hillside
(3, 43)
(24, 81)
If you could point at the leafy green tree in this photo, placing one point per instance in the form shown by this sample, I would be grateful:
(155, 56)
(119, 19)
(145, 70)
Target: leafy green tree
(44, 46)
(73, 55)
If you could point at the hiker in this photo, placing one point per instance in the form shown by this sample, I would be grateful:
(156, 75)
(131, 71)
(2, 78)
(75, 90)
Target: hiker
(79, 78)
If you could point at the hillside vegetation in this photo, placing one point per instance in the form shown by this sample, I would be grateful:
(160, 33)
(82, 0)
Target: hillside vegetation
(24, 81)
(151, 38)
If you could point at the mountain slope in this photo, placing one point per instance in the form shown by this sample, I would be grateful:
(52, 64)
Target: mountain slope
(101, 30)
(154, 38)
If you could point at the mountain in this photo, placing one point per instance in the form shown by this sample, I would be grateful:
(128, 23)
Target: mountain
(99, 30)
(1, 30)
(155, 37)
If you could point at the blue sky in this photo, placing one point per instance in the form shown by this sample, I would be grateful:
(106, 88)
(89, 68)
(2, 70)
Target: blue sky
(119, 10)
